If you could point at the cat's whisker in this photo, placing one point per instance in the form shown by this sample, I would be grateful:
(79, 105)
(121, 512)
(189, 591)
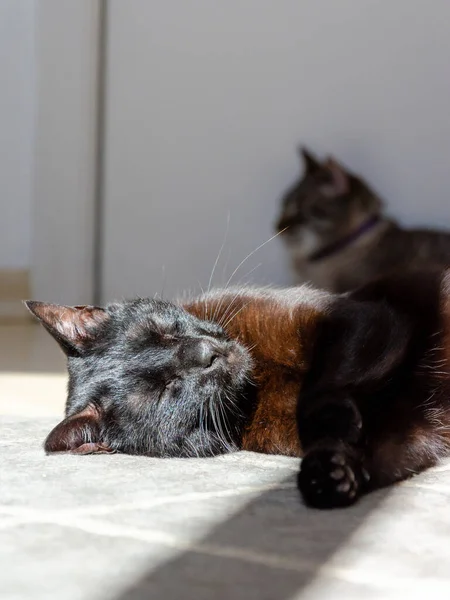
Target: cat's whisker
(226, 425)
(247, 274)
(205, 312)
(204, 428)
(214, 267)
(195, 451)
(228, 310)
(214, 421)
(200, 425)
(218, 425)
(231, 303)
(437, 333)
(220, 252)
(252, 347)
(233, 407)
(235, 314)
(230, 316)
(224, 316)
(225, 267)
(251, 254)
(239, 290)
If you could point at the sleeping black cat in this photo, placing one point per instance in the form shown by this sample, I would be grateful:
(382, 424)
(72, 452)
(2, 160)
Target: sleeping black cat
(357, 384)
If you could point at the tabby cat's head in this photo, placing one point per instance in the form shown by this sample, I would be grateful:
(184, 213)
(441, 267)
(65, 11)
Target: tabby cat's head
(327, 204)
(146, 377)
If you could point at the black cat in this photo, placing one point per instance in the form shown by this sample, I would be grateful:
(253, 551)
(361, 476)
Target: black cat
(356, 384)
(145, 377)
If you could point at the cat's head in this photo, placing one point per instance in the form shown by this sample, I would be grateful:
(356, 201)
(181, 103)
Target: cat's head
(146, 377)
(326, 204)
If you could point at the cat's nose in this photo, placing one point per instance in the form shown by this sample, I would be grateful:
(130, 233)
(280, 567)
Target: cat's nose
(201, 353)
(208, 352)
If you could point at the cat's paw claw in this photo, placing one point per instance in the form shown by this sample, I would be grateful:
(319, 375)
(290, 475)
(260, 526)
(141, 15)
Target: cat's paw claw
(329, 479)
(344, 487)
(337, 474)
(338, 459)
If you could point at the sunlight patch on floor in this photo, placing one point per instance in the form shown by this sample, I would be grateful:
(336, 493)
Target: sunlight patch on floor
(33, 394)
(33, 379)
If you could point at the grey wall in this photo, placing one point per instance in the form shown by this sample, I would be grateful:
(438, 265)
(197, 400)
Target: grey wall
(207, 101)
(17, 105)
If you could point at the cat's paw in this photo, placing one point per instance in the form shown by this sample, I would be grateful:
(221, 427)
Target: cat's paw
(330, 479)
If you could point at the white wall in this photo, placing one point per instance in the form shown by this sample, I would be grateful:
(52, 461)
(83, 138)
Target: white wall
(67, 45)
(17, 104)
(207, 101)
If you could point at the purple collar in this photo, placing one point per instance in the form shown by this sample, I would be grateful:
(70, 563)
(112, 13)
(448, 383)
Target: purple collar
(339, 245)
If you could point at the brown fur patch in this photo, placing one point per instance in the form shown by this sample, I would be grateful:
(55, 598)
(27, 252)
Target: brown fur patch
(280, 333)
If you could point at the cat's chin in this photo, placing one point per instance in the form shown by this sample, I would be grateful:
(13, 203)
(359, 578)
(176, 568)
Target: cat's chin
(195, 446)
(216, 445)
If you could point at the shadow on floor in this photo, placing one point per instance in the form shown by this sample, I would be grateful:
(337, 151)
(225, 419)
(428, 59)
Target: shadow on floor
(270, 550)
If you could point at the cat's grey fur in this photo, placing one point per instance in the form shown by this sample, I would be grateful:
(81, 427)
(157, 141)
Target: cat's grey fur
(332, 209)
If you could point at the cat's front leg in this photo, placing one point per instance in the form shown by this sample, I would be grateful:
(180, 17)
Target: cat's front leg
(331, 473)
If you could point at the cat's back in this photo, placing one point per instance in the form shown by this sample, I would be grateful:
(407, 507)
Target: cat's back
(412, 249)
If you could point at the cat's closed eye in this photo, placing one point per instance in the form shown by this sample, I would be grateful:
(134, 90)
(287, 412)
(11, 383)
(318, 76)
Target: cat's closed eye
(171, 383)
(213, 332)
(168, 338)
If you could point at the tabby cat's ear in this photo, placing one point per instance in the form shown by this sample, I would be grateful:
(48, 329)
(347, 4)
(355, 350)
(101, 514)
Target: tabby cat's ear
(340, 181)
(75, 328)
(310, 162)
(78, 434)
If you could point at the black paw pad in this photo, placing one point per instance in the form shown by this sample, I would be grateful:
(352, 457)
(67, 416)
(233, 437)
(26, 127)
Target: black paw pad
(330, 479)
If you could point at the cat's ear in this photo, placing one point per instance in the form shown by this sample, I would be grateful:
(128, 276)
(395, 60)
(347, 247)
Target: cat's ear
(75, 328)
(310, 162)
(78, 434)
(339, 184)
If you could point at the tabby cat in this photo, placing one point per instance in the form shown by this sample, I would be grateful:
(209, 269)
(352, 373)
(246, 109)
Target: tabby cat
(358, 385)
(338, 237)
